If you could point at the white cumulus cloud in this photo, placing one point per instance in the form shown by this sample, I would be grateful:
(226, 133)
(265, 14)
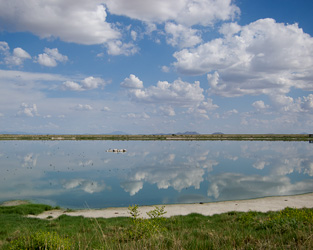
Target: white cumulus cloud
(260, 58)
(177, 93)
(167, 110)
(83, 107)
(132, 82)
(87, 83)
(16, 58)
(208, 105)
(28, 110)
(70, 85)
(4, 46)
(117, 47)
(307, 103)
(137, 116)
(284, 103)
(187, 12)
(51, 57)
(77, 21)
(203, 108)
(21, 54)
(259, 105)
(181, 36)
(92, 82)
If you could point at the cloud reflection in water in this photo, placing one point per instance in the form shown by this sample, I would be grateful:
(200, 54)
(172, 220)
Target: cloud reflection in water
(153, 171)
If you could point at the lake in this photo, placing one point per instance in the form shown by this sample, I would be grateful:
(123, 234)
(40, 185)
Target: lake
(81, 174)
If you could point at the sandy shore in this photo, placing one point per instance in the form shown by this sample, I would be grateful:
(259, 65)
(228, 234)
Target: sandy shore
(261, 205)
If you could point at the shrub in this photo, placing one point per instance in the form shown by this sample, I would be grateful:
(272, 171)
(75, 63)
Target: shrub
(142, 228)
(41, 240)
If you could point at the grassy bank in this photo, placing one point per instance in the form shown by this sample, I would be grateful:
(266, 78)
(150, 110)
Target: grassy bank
(263, 137)
(287, 229)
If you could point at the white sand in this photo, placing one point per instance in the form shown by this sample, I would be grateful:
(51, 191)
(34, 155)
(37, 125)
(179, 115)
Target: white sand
(261, 205)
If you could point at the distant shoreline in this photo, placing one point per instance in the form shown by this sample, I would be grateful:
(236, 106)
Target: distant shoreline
(197, 137)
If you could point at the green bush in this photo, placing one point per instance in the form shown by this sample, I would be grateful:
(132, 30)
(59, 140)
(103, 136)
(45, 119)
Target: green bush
(41, 240)
(143, 228)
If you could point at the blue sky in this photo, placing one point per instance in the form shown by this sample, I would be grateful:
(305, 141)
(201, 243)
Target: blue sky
(146, 66)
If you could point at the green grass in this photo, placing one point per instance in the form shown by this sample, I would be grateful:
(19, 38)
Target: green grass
(26, 209)
(287, 229)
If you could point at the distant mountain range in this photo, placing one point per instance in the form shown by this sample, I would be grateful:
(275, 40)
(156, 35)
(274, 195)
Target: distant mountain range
(188, 133)
(180, 133)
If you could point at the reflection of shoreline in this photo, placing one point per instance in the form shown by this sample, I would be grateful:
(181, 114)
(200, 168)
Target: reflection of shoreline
(261, 205)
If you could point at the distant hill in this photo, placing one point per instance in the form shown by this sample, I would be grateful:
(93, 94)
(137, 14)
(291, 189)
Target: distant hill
(188, 133)
(217, 133)
(180, 133)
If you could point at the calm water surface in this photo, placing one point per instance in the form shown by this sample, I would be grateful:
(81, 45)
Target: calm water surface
(81, 174)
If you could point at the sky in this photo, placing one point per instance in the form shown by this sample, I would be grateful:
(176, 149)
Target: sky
(147, 67)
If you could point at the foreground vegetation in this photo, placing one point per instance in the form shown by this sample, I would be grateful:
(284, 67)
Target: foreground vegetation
(264, 137)
(287, 229)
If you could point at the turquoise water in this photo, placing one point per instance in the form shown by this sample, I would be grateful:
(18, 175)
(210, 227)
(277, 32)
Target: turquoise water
(81, 174)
